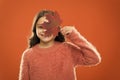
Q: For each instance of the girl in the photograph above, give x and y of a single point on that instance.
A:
(49, 56)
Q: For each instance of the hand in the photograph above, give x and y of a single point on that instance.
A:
(66, 30)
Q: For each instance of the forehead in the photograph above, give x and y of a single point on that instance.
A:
(42, 20)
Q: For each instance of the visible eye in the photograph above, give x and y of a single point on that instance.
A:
(40, 27)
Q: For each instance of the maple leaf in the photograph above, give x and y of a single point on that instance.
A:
(52, 26)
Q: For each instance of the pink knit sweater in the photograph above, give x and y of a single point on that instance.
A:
(59, 61)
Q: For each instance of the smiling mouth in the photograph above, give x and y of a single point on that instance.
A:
(43, 35)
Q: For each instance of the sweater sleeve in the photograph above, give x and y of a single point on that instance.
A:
(24, 67)
(83, 52)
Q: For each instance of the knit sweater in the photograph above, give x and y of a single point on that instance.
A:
(58, 62)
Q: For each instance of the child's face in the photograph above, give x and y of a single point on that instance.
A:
(40, 31)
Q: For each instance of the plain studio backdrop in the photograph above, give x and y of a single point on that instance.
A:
(97, 20)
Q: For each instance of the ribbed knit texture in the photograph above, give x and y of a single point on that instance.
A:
(59, 61)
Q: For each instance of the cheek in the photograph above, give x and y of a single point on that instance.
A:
(38, 32)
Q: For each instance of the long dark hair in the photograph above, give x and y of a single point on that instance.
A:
(34, 39)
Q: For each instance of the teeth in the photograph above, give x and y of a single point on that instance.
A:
(43, 35)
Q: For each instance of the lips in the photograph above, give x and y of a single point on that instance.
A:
(43, 35)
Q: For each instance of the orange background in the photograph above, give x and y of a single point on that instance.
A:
(97, 20)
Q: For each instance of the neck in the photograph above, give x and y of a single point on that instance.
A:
(46, 44)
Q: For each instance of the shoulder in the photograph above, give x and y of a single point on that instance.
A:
(27, 52)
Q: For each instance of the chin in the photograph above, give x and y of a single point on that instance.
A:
(46, 39)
